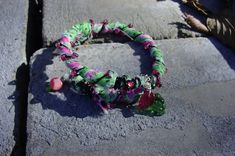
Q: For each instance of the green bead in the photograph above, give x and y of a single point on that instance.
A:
(97, 77)
(132, 32)
(156, 53)
(78, 78)
(158, 66)
(83, 71)
(85, 28)
(156, 109)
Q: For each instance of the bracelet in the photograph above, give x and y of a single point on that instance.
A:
(108, 89)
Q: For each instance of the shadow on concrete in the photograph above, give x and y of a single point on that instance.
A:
(228, 54)
(145, 59)
(19, 98)
(182, 26)
(72, 104)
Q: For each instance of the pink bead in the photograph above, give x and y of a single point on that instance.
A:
(117, 31)
(56, 84)
(65, 39)
(65, 50)
(147, 44)
(90, 74)
(74, 65)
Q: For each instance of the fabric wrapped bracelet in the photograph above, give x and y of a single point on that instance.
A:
(108, 89)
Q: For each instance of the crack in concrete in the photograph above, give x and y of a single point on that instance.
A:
(33, 43)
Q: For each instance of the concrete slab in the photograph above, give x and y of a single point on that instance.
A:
(65, 123)
(160, 19)
(197, 61)
(13, 15)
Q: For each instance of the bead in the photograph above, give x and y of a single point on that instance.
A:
(130, 84)
(73, 73)
(56, 84)
(64, 39)
(74, 65)
(63, 57)
(130, 25)
(117, 31)
(156, 73)
(105, 21)
(74, 55)
(146, 100)
(92, 21)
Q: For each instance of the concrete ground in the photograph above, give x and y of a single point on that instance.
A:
(199, 87)
(13, 24)
(162, 20)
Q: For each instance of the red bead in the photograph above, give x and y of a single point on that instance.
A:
(155, 72)
(130, 84)
(73, 73)
(105, 22)
(92, 21)
(56, 84)
(130, 25)
(72, 44)
(63, 57)
(74, 55)
(146, 99)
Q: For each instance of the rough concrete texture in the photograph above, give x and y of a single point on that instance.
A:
(160, 19)
(199, 90)
(13, 15)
